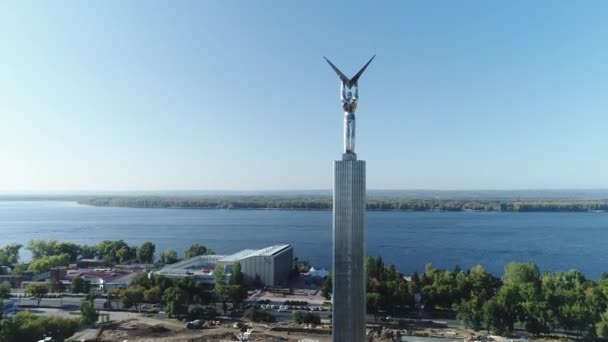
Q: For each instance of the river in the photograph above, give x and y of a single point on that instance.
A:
(555, 241)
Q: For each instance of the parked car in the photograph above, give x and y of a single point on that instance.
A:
(196, 324)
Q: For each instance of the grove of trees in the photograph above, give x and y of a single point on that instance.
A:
(47, 254)
(27, 327)
(196, 250)
(542, 303)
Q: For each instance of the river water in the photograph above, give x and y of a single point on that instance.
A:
(555, 241)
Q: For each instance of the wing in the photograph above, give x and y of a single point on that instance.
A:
(356, 77)
(343, 77)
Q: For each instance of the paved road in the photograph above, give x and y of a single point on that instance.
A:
(73, 303)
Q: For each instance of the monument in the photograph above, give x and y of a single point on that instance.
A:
(349, 221)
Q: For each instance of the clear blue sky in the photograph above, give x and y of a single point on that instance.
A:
(134, 95)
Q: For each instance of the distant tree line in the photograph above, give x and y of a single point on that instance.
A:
(377, 203)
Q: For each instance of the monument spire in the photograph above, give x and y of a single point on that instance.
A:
(349, 221)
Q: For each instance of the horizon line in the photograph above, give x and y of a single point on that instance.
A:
(93, 191)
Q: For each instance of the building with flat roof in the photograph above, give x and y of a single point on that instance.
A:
(271, 264)
(199, 269)
(106, 278)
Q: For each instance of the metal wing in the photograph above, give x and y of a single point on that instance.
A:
(356, 77)
(343, 77)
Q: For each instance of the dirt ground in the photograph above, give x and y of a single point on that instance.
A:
(148, 329)
(141, 329)
(137, 327)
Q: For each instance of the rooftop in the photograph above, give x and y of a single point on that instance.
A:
(267, 251)
(107, 275)
(192, 266)
(203, 265)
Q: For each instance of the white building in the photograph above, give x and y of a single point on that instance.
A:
(272, 264)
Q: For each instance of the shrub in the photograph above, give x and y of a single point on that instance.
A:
(254, 315)
(300, 317)
(206, 313)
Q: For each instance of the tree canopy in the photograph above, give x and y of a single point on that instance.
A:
(145, 252)
(37, 290)
(196, 250)
(169, 256)
(45, 263)
(27, 327)
(9, 254)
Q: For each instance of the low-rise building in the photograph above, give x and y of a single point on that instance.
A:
(272, 265)
(107, 279)
(199, 269)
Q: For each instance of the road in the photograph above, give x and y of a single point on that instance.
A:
(73, 304)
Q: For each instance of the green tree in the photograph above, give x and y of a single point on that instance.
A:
(42, 248)
(115, 251)
(27, 327)
(126, 254)
(311, 318)
(492, 317)
(254, 315)
(298, 317)
(237, 277)
(132, 296)
(113, 296)
(80, 285)
(481, 284)
(19, 269)
(45, 263)
(175, 300)
(169, 256)
(601, 328)
(88, 315)
(221, 290)
(91, 295)
(145, 252)
(327, 287)
(195, 250)
(506, 309)
(190, 289)
(236, 294)
(374, 303)
(162, 282)
(5, 293)
(37, 290)
(153, 295)
(519, 273)
(143, 280)
(5, 290)
(470, 312)
(9, 254)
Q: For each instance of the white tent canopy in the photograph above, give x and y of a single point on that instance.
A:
(318, 273)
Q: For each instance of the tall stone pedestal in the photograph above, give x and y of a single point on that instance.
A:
(349, 250)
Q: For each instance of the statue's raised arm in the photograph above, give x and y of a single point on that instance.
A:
(349, 97)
